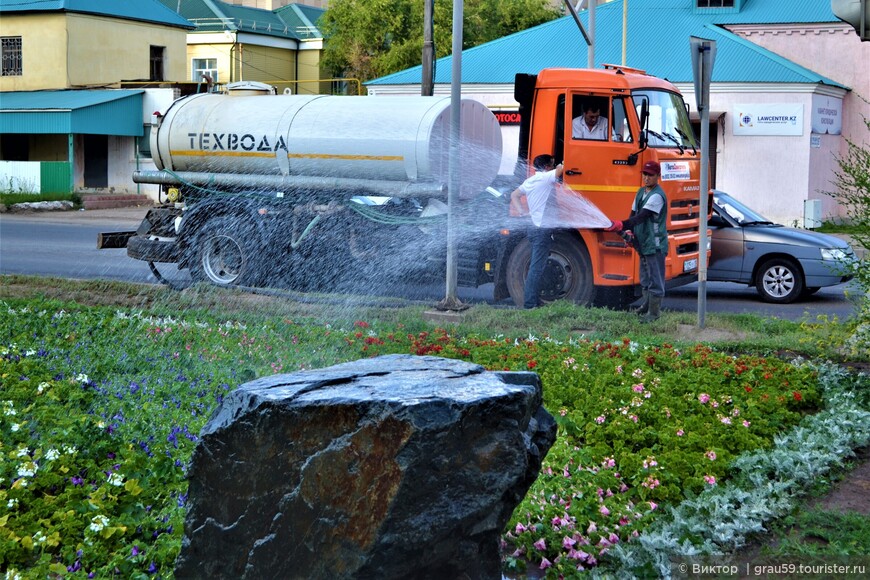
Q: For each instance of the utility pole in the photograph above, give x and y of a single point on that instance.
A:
(703, 55)
(427, 86)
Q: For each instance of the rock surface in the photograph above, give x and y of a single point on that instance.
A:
(392, 467)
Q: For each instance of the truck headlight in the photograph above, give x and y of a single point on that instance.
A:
(833, 254)
(177, 224)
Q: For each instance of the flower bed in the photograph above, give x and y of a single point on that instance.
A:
(100, 412)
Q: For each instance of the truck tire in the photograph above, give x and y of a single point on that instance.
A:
(779, 280)
(567, 275)
(225, 254)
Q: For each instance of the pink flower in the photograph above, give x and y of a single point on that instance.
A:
(638, 388)
(600, 419)
(711, 455)
(578, 555)
(710, 479)
(519, 529)
(633, 418)
(604, 511)
(619, 370)
(652, 506)
(637, 373)
(592, 527)
(563, 412)
(545, 564)
(568, 542)
(746, 423)
(726, 420)
(540, 545)
(703, 397)
(613, 538)
(680, 432)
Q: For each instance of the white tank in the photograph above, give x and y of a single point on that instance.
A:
(365, 138)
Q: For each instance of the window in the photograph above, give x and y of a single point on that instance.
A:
(204, 66)
(11, 49)
(157, 58)
(715, 3)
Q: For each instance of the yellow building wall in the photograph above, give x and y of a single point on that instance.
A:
(107, 50)
(219, 51)
(43, 51)
(309, 70)
(266, 64)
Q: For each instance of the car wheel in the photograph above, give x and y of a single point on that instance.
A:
(225, 251)
(779, 280)
(567, 275)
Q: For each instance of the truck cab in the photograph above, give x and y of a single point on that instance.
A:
(640, 118)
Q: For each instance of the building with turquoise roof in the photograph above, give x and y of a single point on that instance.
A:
(792, 55)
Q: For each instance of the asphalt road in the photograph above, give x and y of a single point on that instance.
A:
(64, 244)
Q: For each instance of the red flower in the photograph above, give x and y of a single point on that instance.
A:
(532, 364)
(797, 396)
(748, 389)
(361, 324)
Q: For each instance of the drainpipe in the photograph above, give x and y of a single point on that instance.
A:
(72, 163)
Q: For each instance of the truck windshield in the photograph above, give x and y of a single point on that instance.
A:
(669, 124)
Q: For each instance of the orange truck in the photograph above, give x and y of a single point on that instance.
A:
(329, 192)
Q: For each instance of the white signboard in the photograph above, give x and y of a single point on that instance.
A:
(769, 119)
(672, 170)
(827, 115)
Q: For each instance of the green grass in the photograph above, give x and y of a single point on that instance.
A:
(837, 227)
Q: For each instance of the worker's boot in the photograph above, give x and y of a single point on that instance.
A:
(643, 307)
(655, 309)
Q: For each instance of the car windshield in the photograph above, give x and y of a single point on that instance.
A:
(668, 124)
(737, 211)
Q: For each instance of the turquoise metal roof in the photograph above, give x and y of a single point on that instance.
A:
(97, 112)
(141, 10)
(657, 41)
(217, 16)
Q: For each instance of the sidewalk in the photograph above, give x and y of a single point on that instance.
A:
(131, 215)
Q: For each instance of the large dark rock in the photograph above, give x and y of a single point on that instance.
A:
(392, 467)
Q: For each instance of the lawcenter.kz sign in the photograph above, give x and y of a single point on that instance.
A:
(769, 119)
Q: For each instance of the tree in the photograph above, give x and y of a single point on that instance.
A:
(852, 180)
(366, 39)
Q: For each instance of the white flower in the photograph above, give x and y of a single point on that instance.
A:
(52, 454)
(9, 408)
(12, 503)
(29, 352)
(43, 386)
(98, 523)
(70, 449)
(22, 452)
(15, 427)
(39, 537)
(27, 469)
(116, 479)
(82, 378)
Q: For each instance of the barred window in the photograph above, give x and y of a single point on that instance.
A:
(715, 3)
(10, 46)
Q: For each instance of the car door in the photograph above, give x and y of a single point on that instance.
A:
(727, 251)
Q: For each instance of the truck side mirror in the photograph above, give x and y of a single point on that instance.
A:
(644, 121)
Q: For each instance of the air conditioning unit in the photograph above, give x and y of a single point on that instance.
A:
(812, 213)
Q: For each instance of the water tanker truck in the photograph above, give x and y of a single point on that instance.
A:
(320, 191)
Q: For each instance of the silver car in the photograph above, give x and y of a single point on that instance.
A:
(783, 264)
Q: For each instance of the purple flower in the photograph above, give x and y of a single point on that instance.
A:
(152, 568)
(541, 545)
(134, 551)
(77, 481)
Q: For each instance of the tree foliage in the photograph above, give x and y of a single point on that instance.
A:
(371, 38)
(852, 181)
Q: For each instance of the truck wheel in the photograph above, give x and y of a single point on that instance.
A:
(567, 275)
(780, 281)
(225, 254)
